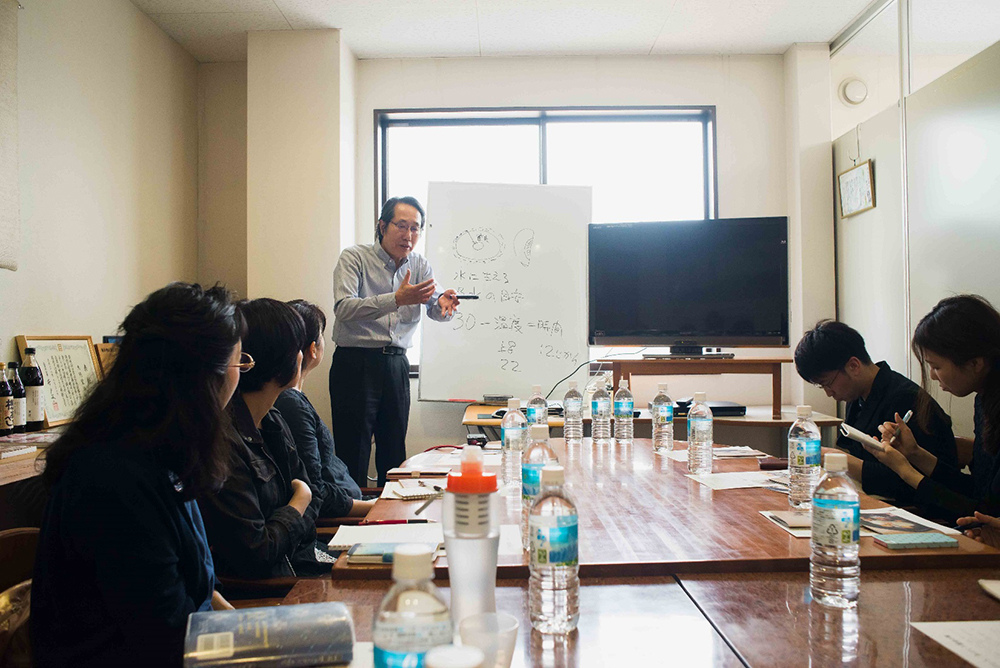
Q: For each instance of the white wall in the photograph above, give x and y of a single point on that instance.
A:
(108, 168)
(748, 92)
(222, 175)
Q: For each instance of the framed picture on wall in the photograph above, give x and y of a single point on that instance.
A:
(857, 190)
(69, 368)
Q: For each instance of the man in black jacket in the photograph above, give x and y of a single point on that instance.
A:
(833, 357)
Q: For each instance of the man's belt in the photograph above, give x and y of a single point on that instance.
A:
(393, 350)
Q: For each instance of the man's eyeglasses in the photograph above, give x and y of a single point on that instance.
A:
(408, 229)
(826, 386)
(246, 363)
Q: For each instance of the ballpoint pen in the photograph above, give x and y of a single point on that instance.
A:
(906, 418)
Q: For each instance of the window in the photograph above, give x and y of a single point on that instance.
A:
(649, 163)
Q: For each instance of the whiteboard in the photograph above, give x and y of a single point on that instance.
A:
(523, 250)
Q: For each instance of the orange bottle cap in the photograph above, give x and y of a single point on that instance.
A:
(472, 479)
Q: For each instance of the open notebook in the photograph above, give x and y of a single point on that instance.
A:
(348, 536)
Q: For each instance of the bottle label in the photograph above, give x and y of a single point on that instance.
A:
(554, 540)
(20, 411)
(404, 645)
(624, 408)
(537, 415)
(513, 437)
(35, 412)
(835, 523)
(600, 407)
(531, 481)
(573, 406)
(699, 429)
(663, 414)
(803, 451)
(6, 413)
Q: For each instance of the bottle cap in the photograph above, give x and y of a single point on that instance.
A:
(662, 387)
(513, 404)
(835, 461)
(572, 384)
(539, 432)
(471, 479)
(553, 474)
(11, 365)
(536, 389)
(29, 351)
(450, 656)
(412, 561)
(623, 383)
(803, 411)
(3, 365)
(699, 397)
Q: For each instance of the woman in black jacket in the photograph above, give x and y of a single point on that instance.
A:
(262, 522)
(958, 345)
(122, 557)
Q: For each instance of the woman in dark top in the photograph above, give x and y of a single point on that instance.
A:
(122, 557)
(329, 478)
(262, 522)
(958, 345)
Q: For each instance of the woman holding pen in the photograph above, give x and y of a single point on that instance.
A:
(958, 345)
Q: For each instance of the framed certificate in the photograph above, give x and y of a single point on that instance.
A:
(70, 369)
(857, 190)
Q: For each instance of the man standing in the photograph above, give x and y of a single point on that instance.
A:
(833, 357)
(378, 292)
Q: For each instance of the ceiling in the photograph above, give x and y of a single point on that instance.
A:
(215, 30)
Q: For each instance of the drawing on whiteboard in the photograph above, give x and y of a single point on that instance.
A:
(480, 244)
(522, 246)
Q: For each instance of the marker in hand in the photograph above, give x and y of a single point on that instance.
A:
(467, 296)
(906, 419)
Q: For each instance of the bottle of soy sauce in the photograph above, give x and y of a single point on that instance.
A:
(6, 403)
(20, 400)
(34, 387)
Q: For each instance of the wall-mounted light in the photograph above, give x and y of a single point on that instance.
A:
(853, 91)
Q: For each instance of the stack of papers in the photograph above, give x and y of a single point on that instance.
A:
(734, 479)
(349, 536)
(873, 522)
(724, 452)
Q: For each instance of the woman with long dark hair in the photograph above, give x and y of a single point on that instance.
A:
(122, 556)
(958, 345)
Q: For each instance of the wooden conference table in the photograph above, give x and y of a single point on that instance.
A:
(675, 573)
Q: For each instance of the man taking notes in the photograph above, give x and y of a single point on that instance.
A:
(378, 292)
(833, 357)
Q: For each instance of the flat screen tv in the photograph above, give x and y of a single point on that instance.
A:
(721, 282)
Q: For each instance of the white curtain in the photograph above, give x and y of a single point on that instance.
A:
(10, 227)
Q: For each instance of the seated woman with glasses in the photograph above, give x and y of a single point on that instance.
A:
(958, 345)
(122, 556)
(262, 522)
(833, 357)
(339, 495)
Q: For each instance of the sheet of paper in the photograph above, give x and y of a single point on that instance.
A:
(449, 458)
(973, 641)
(388, 533)
(734, 479)
(991, 587)
(805, 532)
(510, 540)
(404, 489)
(727, 452)
(907, 515)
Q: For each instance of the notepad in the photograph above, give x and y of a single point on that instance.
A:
(348, 536)
(376, 553)
(861, 437)
(912, 541)
(412, 490)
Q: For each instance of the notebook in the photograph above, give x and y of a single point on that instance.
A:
(375, 553)
(411, 490)
(348, 536)
(911, 541)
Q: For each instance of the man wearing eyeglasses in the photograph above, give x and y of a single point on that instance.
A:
(833, 357)
(379, 291)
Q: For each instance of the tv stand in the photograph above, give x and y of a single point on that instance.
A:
(702, 366)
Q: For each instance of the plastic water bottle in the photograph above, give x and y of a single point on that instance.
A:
(600, 416)
(554, 583)
(471, 537)
(803, 459)
(537, 455)
(513, 438)
(663, 420)
(834, 567)
(413, 618)
(699, 420)
(537, 408)
(573, 415)
(624, 406)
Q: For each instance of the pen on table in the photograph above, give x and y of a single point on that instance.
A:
(906, 418)
(415, 521)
